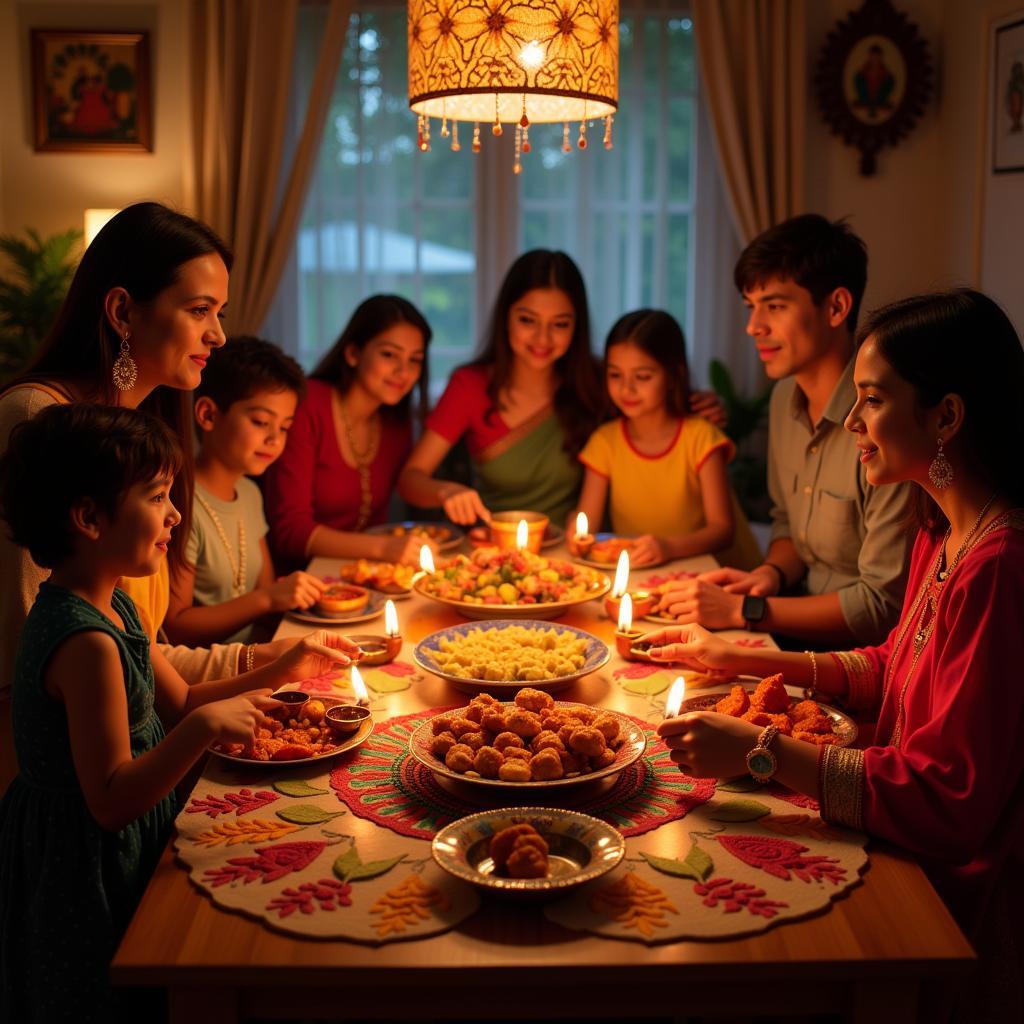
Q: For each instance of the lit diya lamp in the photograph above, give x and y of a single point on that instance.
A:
(348, 718)
(583, 538)
(676, 695)
(379, 650)
(627, 639)
(642, 601)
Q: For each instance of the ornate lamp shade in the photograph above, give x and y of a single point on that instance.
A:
(502, 61)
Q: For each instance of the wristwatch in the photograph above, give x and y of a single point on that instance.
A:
(753, 610)
(761, 762)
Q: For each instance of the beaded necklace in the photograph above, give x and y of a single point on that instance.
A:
(237, 568)
(363, 460)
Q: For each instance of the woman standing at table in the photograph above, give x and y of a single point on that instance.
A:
(351, 435)
(939, 380)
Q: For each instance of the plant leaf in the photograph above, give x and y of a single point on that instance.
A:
(347, 863)
(648, 686)
(740, 810)
(307, 814)
(668, 866)
(374, 868)
(296, 787)
(741, 784)
(381, 682)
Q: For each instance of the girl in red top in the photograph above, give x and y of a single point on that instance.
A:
(351, 435)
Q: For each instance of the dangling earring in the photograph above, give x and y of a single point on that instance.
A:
(126, 373)
(940, 472)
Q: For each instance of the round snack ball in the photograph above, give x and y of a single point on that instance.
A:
(583, 714)
(602, 760)
(463, 725)
(460, 758)
(495, 720)
(572, 763)
(502, 843)
(441, 724)
(587, 740)
(527, 861)
(514, 769)
(546, 739)
(545, 766)
(476, 740)
(608, 726)
(520, 753)
(441, 744)
(524, 723)
(507, 739)
(565, 733)
(488, 761)
(474, 713)
(530, 699)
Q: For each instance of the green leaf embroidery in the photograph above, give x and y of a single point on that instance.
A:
(307, 814)
(701, 862)
(697, 865)
(741, 784)
(739, 810)
(347, 863)
(297, 787)
(383, 683)
(375, 868)
(648, 686)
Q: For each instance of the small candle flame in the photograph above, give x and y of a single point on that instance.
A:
(674, 700)
(426, 559)
(582, 525)
(625, 614)
(621, 575)
(390, 618)
(359, 688)
(522, 534)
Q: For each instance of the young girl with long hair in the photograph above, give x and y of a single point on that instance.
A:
(86, 820)
(939, 380)
(351, 435)
(655, 450)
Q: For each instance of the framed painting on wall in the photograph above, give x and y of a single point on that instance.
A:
(1008, 96)
(91, 91)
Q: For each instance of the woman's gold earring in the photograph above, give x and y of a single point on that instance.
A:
(126, 373)
(940, 472)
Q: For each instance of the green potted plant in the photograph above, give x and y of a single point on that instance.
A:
(749, 470)
(32, 288)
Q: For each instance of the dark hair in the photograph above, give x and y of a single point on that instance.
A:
(818, 254)
(580, 401)
(659, 335)
(141, 249)
(245, 366)
(89, 451)
(372, 317)
(960, 342)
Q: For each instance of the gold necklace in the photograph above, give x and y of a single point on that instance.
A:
(363, 460)
(925, 607)
(237, 568)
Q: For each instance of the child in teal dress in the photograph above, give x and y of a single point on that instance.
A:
(86, 490)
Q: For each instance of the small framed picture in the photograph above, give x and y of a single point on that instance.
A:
(1008, 96)
(91, 91)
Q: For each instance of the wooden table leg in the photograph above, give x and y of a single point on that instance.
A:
(885, 1002)
(202, 1006)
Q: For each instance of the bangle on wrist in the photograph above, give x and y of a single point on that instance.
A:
(250, 657)
(810, 691)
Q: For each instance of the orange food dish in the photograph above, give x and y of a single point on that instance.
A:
(770, 704)
(379, 575)
(343, 598)
(288, 736)
(519, 851)
(608, 551)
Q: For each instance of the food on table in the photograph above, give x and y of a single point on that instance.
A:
(343, 599)
(289, 735)
(770, 704)
(424, 531)
(519, 851)
(607, 551)
(378, 575)
(531, 740)
(510, 652)
(493, 576)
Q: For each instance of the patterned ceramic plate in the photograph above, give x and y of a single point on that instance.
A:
(542, 610)
(633, 745)
(597, 656)
(580, 848)
(446, 536)
(373, 607)
(346, 743)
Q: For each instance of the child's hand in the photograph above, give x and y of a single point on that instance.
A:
(647, 550)
(315, 655)
(464, 506)
(693, 647)
(406, 550)
(299, 590)
(236, 719)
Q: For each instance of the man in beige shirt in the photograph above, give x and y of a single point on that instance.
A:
(838, 545)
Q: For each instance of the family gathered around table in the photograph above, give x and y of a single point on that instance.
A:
(169, 493)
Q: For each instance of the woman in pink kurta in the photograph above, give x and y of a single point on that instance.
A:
(939, 380)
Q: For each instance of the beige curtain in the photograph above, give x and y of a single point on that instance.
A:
(243, 52)
(753, 63)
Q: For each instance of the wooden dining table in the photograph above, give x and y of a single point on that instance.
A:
(869, 955)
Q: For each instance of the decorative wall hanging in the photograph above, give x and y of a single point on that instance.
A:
(873, 79)
(503, 62)
(91, 91)
(1008, 97)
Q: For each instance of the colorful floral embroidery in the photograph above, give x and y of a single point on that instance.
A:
(799, 825)
(242, 802)
(270, 863)
(634, 903)
(406, 904)
(735, 896)
(256, 830)
(779, 857)
(326, 894)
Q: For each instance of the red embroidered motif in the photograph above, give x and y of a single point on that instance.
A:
(735, 896)
(272, 863)
(398, 668)
(242, 802)
(779, 857)
(637, 670)
(319, 684)
(327, 894)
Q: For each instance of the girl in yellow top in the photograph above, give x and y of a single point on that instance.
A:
(661, 471)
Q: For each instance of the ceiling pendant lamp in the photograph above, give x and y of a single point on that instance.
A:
(499, 62)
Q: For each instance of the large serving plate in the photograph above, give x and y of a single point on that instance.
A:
(580, 848)
(633, 745)
(597, 656)
(345, 744)
(546, 610)
(446, 536)
(373, 607)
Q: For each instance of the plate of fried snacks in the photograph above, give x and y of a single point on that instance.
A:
(533, 742)
(389, 578)
(446, 536)
(604, 552)
(770, 704)
(298, 733)
(503, 654)
(493, 583)
(341, 604)
(528, 849)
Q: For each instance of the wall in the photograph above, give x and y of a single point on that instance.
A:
(49, 191)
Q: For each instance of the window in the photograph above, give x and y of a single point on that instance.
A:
(441, 228)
